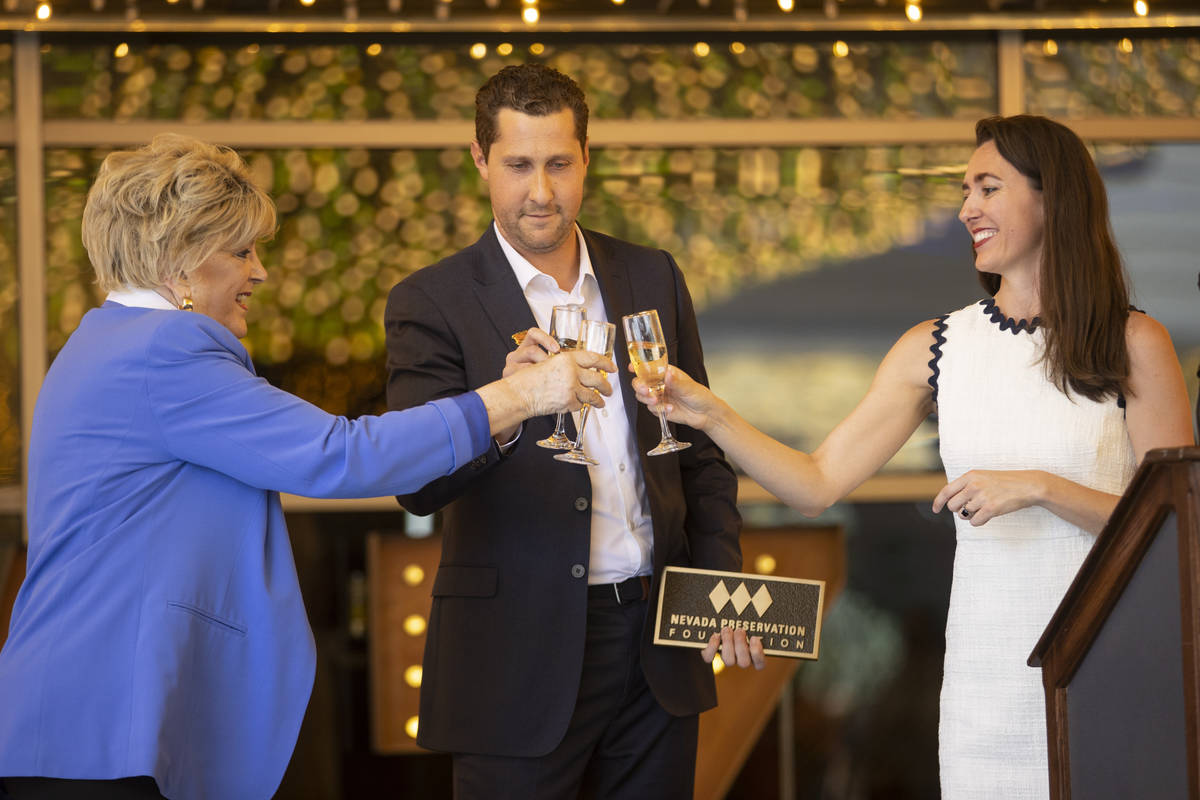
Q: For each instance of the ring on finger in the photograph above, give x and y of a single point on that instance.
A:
(964, 513)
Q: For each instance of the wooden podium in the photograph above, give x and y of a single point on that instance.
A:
(1119, 657)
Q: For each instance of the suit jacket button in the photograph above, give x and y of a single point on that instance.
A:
(578, 570)
(581, 504)
(479, 462)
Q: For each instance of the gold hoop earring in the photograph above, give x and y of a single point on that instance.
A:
(187, 304)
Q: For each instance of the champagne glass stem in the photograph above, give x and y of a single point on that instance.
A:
(583, 418)
(662, 422)
(662, 414)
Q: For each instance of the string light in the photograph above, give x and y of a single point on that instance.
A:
(537, 48)
(786, 5)
(737, 48)
(43, 11)
(530, 15)
(413, 675)
(700, 49)
(410, 727)
(374, 49)
(1141, 8)
(121, 50)
(1050, 47)
(841, 49)
(1125, 45)
(504, 49)
(307, 2)
(618, 2)
(912, 11)
(478, 50)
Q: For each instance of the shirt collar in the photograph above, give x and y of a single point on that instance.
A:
(526, 272)
(139, 298)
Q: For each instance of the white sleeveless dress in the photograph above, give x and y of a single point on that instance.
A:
(998, 411)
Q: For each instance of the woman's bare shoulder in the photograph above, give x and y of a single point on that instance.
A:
(1146, 337)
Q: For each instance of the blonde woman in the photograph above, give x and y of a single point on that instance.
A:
(159, 646)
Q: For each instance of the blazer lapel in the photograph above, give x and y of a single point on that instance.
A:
(497, 290)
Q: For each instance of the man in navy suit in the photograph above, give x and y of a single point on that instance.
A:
(540, 675)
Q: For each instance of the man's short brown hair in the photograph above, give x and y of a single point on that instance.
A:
(533, 89)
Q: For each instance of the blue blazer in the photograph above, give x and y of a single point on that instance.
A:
(160, 629)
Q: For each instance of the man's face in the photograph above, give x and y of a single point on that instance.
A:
(535, 172)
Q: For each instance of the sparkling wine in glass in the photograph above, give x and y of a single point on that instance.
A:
(595, 337)
(648, 354)
(565, 324)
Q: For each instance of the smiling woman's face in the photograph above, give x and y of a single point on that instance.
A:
(1003, 213)
(221, 286)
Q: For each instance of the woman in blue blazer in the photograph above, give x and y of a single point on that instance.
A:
(159, 645)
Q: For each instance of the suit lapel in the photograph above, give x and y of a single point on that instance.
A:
(497, 290)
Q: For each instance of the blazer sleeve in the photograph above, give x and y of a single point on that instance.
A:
(712, 523)
(212, 410)
(426, 362)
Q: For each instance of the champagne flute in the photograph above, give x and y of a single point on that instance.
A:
(595, 337)
(648, 354)
(565, 322)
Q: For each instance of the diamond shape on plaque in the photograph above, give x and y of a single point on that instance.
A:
(719, 596)
(762, 600)
(740, 597)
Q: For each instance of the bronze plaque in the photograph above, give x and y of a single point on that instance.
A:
(693, 604)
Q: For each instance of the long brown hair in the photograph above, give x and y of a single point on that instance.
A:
(1083, 290)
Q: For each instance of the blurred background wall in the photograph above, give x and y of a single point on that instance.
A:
(803, 165)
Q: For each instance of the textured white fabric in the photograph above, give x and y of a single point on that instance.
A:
(997, 410)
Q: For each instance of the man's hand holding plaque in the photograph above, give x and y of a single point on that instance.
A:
(736, 649)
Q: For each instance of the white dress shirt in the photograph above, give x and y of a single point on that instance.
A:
(140, 298)
(622, 534)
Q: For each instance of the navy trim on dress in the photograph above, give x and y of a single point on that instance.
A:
(939, 339)
(1008, 323)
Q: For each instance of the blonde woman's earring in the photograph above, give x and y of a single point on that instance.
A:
(187, 304)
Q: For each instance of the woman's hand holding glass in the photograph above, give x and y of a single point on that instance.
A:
(648, 358)
(680, 398)
(552, 384)
(595, 337)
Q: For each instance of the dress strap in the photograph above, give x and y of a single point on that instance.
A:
(939, 339)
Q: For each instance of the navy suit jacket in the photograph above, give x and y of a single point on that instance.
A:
(504, 647)
(160, 629)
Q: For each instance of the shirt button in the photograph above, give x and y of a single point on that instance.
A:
(621, 467)
(578, 571)
(581, 503)
(603, 412)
